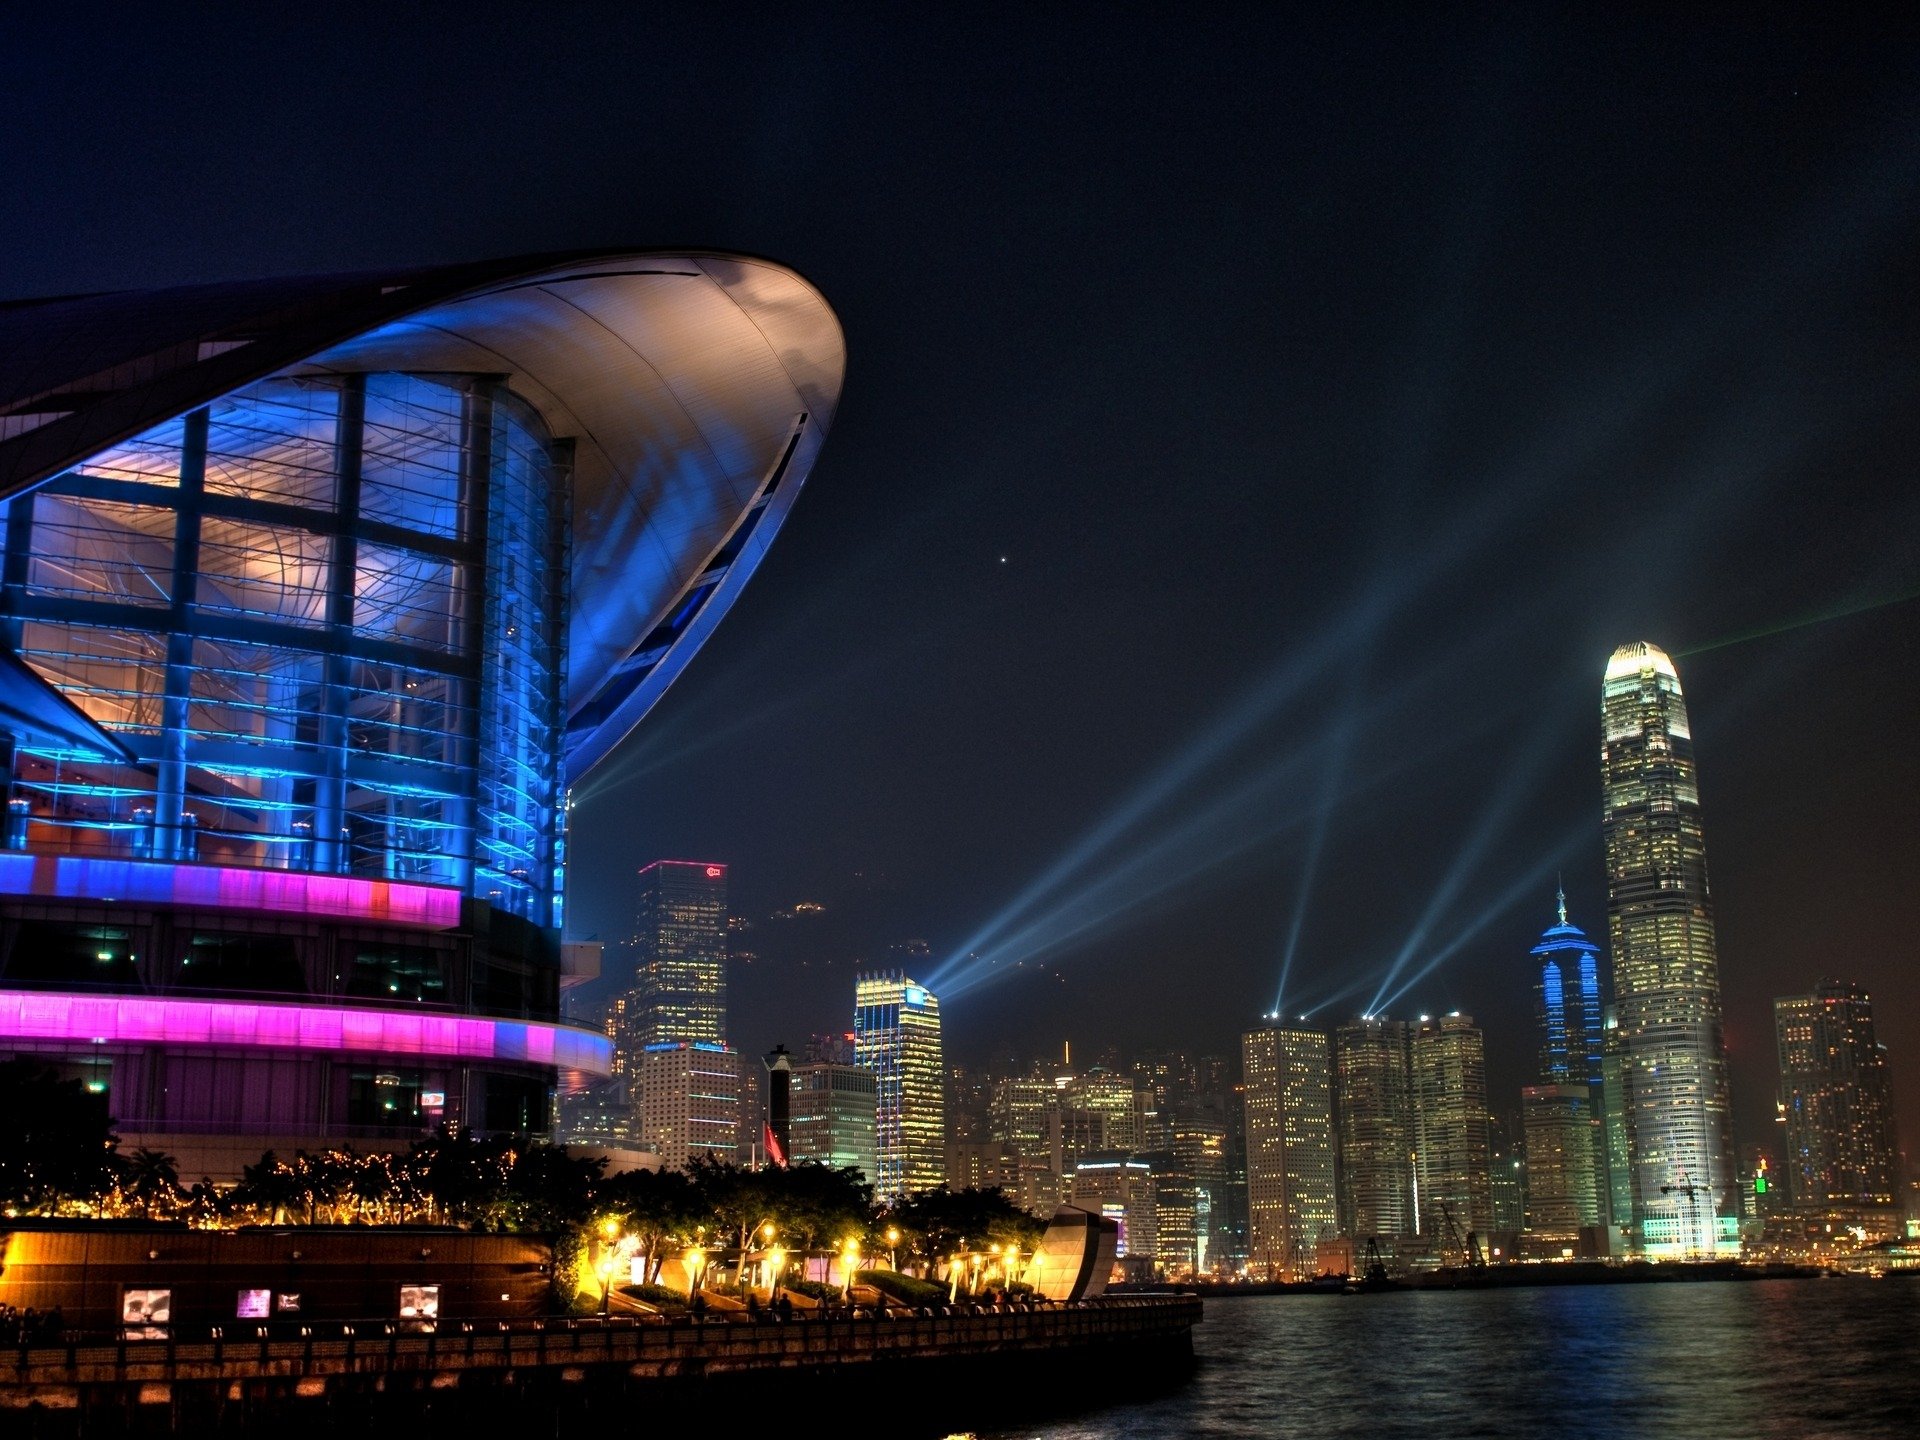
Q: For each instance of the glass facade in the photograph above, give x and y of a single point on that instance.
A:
(896, 1034)
(1834, 1101)
(326, 617)
(1666, 970)
(1373, 1098)
(680, 954)
(1290, 1193)
(1454, 1158)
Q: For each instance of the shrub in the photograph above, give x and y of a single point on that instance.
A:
(658, 1296)
(818, 1289)
(904, 1288)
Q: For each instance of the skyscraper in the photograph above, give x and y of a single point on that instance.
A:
(1563, 1189)
(1566, 1004)
(689, 1101)
(1666, 973)
(676, 1014)
(896, 1034)
(1289, 1102)
(1373, 1114)
(680, 955)
(1834, 1100)
(832, 1115)
(1562, 1113)
(1453, 1165)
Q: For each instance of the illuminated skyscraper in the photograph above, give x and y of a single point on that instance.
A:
(1562, 1113)
(1453, 1163)
(1563, 1191)
(1373, 1113)
(1666, 973)
(896, 1034)
(1200, 1150)
(1840, 1153)
(1289, 1100)
(832, 1115)
(680, 954)
(1025, 1119)
(690, 1105)
(1566, 1004)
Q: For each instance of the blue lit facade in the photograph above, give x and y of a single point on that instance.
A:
(325, 617)
(319, 598)
(1567, 1004)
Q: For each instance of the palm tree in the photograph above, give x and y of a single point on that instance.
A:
(148, 1176)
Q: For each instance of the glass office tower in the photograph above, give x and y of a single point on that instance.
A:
(1834, 1100)
(1289, 1109)
(896, 1035)
(316, 596)
(1454, 1156)
(1374, 1119)
(1666, 971)
(680, 955)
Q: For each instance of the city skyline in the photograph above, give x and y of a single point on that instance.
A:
(1249, 478)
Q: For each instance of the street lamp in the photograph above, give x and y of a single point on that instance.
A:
(776, 1260)
(849, 1257)
(893, 1241)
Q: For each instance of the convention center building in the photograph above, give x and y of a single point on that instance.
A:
(317, 598)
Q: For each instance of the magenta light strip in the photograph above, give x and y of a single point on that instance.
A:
(141, 1020)
(224, 887)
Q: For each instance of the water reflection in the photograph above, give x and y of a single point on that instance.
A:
(1805, 1358)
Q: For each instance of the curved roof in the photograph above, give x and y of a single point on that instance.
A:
(697, 388)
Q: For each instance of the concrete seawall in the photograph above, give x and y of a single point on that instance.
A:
(937, 1369)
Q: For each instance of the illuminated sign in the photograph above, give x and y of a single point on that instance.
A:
(148, 1020)
(145, 1314)
(915, 995)
(433, 1099)
(228, 887)
(714, 872)
(253, 1305)
(419, 1302)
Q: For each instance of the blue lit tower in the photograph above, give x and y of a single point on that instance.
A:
(1562, 1110)
(1666, 969)
(1567, 1004)
(317, 598)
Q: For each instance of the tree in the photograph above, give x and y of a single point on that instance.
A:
(939, 1223)
(56, 1139)
(147, 1176)
(657, 1208)
(269, 1188)
(548, 1189)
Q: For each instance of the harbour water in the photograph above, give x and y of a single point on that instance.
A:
(1808, 1359)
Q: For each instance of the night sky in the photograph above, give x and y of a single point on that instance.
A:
(1256, 437)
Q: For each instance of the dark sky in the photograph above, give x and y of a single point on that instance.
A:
(1248, 422)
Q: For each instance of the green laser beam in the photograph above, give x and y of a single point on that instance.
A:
(1855, 608)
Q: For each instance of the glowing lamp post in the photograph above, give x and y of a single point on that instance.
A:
(849, 1258)
(696, 1262)
(893, 1242)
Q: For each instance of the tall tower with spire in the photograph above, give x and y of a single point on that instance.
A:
(1562, 1111)
(1666, 970)
(1566, 1003)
